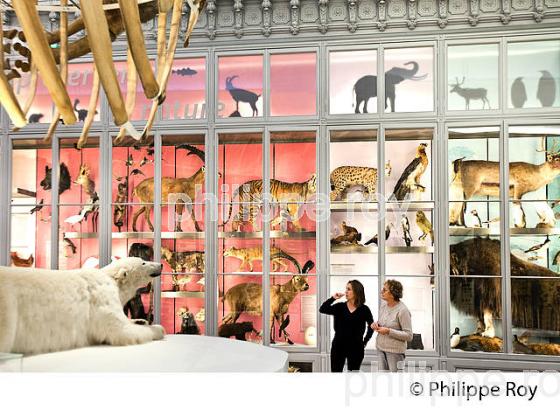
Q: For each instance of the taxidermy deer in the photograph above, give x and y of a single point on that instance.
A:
(470, 93)
(238, 94)
(186, 186)
(481, 178)
(88, 185)
(103, 21)
(247, 297)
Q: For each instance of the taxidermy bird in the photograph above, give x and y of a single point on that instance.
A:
(425, 226)
(200, 315)
(546, 90)
(375, 239)
(455, 338)
(540, 246)
(556, 261)
(405, 224)
(478, 224)
(410, 178)
(518, 93)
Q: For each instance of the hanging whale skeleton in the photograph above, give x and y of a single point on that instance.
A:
(103, 21)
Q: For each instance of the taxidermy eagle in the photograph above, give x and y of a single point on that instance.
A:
(534, 301)
(410, 178)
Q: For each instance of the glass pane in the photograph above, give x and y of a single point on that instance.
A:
(409, 82)
(185, 96)
(536, 325)
(534, 74)
(240, 160)
(294, 305)
(183, 183)
(474, 219)
(356, 71)
(240, 86)
(409, 153)
(535, 190)
(41, 110)
(371, 290)
(133, 165)
(293, 84)
(80, 83)
(472, 74)
(419, 298)
(240, 310)
(143, 105)
(476, 313)
(30, 243)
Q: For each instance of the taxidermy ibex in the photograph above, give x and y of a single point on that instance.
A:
(186, 186)
(478, 177)
(102, 22)
(247, 297)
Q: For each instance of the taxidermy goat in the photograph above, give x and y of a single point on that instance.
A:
(188, 324)
(249, 255)
(64, 180)
(482, 178)
(481, 256)
(350, 236)
(236, 329)
(289, 193)
(247, 297)
(240, 95)
(410, 179)
(345, 177)
(169, 186)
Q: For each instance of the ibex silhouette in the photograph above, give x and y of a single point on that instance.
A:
(238, 94)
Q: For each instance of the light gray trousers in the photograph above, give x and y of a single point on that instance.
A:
(391, 361)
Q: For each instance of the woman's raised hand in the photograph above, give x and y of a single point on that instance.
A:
(338, 295)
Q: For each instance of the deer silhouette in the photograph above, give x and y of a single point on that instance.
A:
(241, 95)
(470, 93)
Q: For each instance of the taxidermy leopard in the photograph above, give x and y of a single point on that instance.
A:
(346, 177)
(249, 255)
(289, 193)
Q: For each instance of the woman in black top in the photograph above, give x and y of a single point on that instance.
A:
(350, 320)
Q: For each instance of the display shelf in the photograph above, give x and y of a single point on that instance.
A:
(340, 206)
(462, 231)
(352, 249)
(181, 294)
(273, 235)
(136, 235)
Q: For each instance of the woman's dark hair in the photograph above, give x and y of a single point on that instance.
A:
(359, 294)
(395, 288)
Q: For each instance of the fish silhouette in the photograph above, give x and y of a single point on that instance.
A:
(185, 72)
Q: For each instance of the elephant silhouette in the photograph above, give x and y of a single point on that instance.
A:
(366, 87)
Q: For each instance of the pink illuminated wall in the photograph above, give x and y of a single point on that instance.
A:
(293, 84)
(249, 72)
(186, 90)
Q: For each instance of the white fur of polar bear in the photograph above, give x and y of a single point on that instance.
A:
(45, 310)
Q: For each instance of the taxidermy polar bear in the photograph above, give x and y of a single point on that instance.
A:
(45, 310)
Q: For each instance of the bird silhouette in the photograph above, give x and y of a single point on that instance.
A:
(546, 90)
(518, 93)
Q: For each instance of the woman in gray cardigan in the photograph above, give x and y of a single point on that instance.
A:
(394, 327)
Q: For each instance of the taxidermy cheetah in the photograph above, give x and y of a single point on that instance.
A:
(346, 177)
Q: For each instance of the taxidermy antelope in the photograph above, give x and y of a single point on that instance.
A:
(481, 178)
(103, 21)
(186, 186)
(247, 297)
(470, 93)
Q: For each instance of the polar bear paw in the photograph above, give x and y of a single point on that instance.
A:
(158, 332)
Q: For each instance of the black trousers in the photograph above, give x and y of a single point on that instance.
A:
(342, 351)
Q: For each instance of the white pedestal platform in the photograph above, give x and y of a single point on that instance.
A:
(176, 353)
